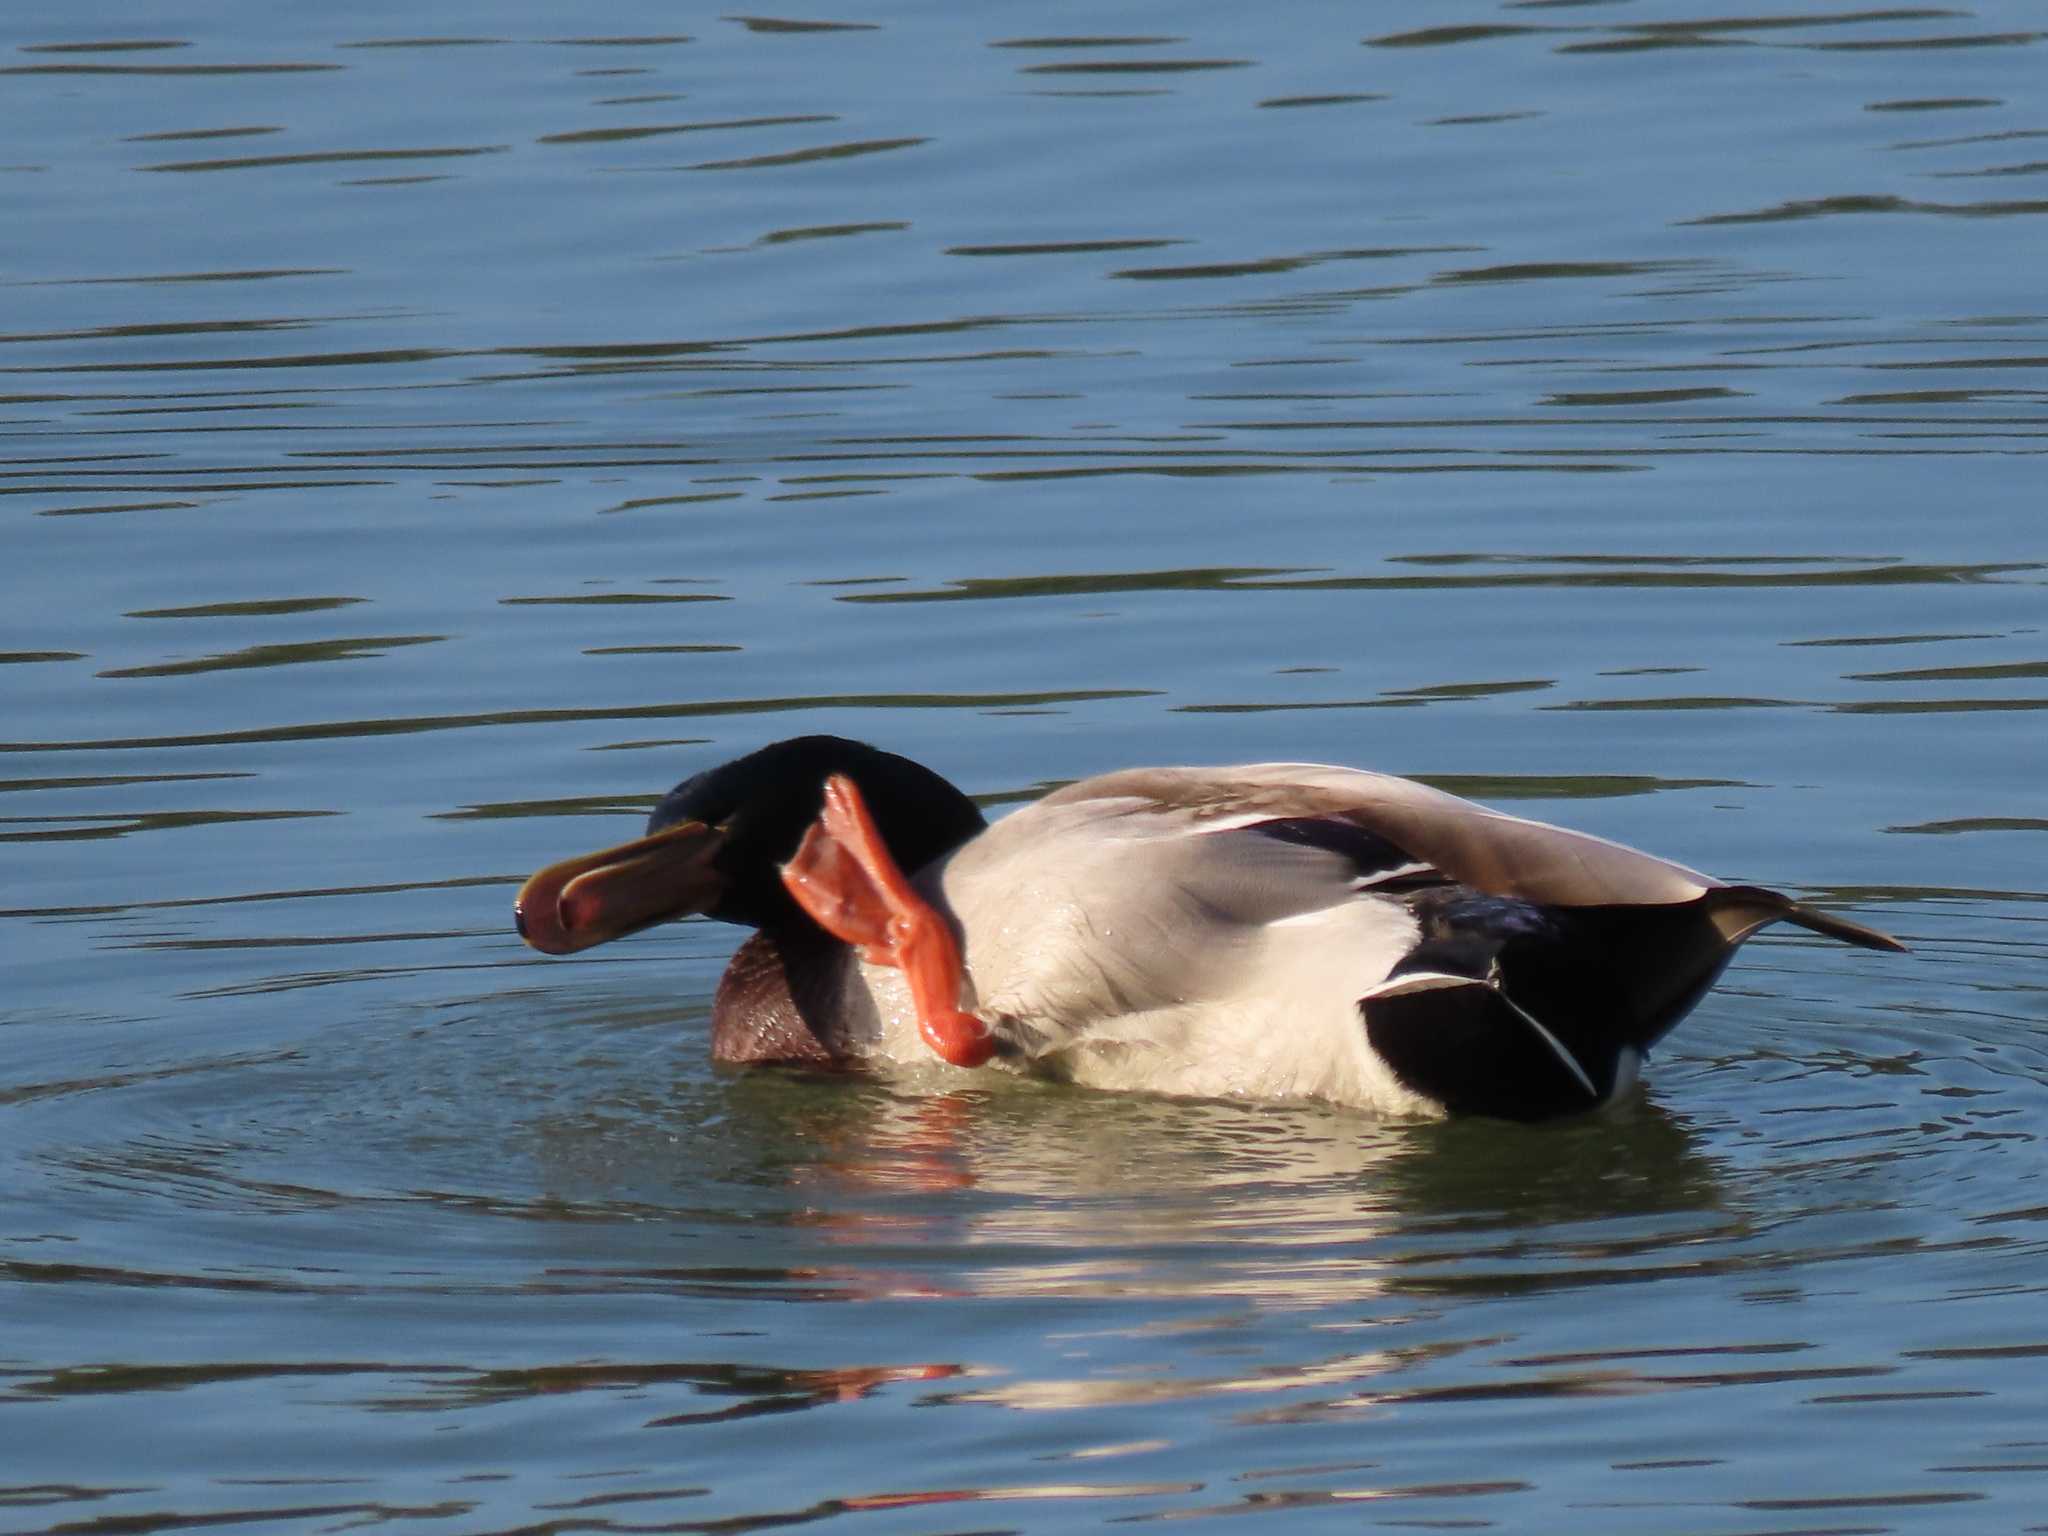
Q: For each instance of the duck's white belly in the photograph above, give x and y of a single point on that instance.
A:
(1288, 1028)
(1265, 1014)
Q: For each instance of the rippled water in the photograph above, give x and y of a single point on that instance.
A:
(423, 438)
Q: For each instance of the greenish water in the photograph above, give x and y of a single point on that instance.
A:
(425, 438)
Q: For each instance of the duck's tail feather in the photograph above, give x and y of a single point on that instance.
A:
(1739, 910)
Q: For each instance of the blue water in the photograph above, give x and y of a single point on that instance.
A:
(424, 438)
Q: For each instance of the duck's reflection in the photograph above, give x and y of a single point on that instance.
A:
(1038, 1190)
(1055, 1142)
(1291, 1259)
(1153, 1207)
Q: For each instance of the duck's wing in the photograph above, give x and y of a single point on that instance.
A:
(1180, 856)
(1466, 843)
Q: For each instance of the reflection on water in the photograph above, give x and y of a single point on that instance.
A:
(420, 446)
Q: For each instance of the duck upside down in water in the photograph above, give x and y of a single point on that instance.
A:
(1277, 930)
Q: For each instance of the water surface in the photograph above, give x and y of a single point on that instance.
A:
(424, 439)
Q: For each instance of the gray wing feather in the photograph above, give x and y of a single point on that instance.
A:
(1499, 854)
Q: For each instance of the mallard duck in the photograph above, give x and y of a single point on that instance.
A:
(1272, 931)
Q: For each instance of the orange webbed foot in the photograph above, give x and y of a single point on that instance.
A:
(846, 879)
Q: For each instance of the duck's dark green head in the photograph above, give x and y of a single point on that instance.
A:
(717, 842)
